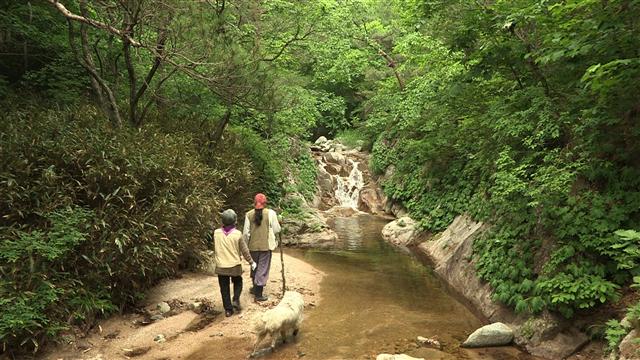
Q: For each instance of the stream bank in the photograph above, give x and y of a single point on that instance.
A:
(449, 254)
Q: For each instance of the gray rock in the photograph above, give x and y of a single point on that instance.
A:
(163, 307)
(159, 338)
(335, 158)
(451, 254)
(490, 335)
(400, 232)
(196, 307)
(157, 317)
(325, 181)
(561, 345)
(396, 357)
(323, 239)
(320, 140)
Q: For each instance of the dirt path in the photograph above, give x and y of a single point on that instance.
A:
(119, 335)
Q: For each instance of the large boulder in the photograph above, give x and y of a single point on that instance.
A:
(451, 254)
(325, 181)
(495, 334)
(370, 201)
(549, 336)
(324, 239)
(400, 232)
(335, 158)
(561, 345)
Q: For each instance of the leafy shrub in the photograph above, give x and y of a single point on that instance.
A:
(353, 138)
(98, 214)
(546, 154)
(614, 333)
(268, 169)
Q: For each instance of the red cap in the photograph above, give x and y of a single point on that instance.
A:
(260, 201)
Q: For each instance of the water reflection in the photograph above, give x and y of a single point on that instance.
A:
(349, 232)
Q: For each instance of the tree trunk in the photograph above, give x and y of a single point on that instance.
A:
(222, 124)
(106, 99)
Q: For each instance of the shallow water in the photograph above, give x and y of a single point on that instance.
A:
(375, 299)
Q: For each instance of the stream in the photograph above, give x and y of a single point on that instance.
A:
(376, 299)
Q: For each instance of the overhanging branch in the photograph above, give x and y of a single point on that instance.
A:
(97, 24)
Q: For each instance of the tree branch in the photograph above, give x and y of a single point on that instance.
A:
(97, 24)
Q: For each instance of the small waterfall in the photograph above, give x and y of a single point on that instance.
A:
(348, 190)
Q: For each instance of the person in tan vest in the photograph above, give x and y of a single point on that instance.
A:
(260, 228)
(228, 246)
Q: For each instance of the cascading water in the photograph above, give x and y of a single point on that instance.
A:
(340, 179)
(348, 190)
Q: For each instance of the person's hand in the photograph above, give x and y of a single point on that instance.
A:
(254, 266)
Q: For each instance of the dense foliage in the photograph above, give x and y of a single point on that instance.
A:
(105, 190)
(523, 114)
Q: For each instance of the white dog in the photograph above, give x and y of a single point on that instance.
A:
(279, 320)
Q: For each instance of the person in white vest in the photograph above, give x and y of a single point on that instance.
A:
(228, 247)
(260, 228)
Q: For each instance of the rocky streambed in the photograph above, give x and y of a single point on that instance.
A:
(449, 254)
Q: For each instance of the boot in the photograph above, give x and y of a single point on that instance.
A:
(258, 293)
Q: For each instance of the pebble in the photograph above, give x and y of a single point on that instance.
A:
(159, 338)
(163, 307)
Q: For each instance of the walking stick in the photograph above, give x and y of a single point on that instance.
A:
(284, 283)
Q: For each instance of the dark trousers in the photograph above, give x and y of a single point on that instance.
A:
(223, 281)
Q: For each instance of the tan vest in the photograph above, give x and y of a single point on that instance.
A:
(259, 239)
(227, 248)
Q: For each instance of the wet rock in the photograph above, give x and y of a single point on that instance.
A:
(341, 211)
(325, 181)
(396, 357)
(430, 343)
(495, 334)
(159, 338)
(163, 307)
(335, 158)
(371, 201)
(451, 254)
(400, 232)
(333, 169)
(322, 239)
